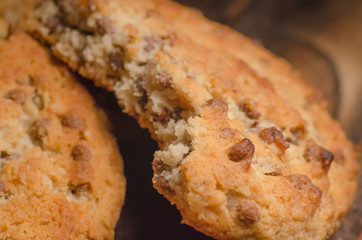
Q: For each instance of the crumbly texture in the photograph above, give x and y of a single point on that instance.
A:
(248, 151)
(14, 10)
(61, 175)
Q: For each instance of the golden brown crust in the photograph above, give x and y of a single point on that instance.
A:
(277, 183)
(50, 187)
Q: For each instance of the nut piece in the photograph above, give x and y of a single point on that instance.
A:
(242, 152)
(273, 135)
(309, 191)
(218, 104)
(248, 106)
(17, 96)
(316, 153)
(248, 211)
(81, 153)
(72, 121)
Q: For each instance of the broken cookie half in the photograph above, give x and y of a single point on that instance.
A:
(245, 151)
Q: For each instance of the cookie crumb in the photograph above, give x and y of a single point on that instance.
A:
(165, 79)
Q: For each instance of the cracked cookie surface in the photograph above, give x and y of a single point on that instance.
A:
(247, 149)
(61, 175)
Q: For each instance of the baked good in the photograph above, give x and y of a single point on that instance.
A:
(61, 175)
(248, 151)
(14, 10)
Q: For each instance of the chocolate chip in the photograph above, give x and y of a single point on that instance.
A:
(242, 152)
(248, 211)
(218, 104)
(115, 60)
(72, 121)
(273, 135)
(104, 26)
(81, 153)
(316, 153)
(17, 96)
(38, 130)
(165, 79)
(153, 42)
(248, 106)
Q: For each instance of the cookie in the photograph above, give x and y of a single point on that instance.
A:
(61, 175)
(248, 150)
(14, 10)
